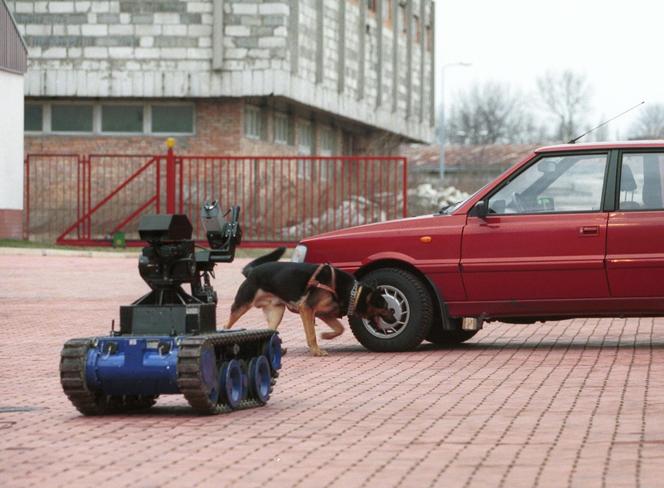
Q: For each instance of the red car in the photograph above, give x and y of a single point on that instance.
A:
(570, 231)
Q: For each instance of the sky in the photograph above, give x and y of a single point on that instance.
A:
(617, 44)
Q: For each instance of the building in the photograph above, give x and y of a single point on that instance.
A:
(228, 76)
(13, 63)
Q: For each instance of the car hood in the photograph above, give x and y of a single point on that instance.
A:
(422, 222)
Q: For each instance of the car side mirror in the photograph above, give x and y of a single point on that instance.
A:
(481, 209)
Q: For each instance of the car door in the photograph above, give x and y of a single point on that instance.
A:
(543, 240)
(635, 240)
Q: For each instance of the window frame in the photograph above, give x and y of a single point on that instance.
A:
(42, 106)
(608, 180)
(258, 112)
(97, 108)
(304, 166)
(95, 115)
(327, 130)
(123, 133)
(614, 203)
(148, 118)
(287, 119)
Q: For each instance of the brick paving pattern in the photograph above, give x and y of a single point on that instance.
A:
(571, 403)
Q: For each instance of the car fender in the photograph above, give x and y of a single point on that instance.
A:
(389, 255)
(438, 303)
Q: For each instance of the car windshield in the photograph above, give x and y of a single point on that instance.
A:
(451, 207)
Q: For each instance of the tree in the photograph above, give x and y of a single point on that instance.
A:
(650, 124)
(566, 96)
(489, 113)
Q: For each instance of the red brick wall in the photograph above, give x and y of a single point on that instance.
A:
(11, 224)
(219, 131)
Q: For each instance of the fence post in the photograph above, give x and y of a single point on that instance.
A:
(26, 196)
(405, 187)
(170, 176)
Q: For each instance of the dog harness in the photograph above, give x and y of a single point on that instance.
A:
(314, 283)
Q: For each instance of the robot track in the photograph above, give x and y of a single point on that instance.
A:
(216, 372)
(87, 401)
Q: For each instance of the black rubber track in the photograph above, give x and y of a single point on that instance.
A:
(72, 379)
(189, 378)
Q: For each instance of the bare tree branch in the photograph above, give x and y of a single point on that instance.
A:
(650, 124)
(490, 113)
(566, 95)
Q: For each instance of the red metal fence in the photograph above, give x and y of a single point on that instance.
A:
(85, 200)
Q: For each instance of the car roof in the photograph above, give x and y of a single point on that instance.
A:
(602, 145)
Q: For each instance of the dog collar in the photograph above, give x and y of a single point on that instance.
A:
(354, 298)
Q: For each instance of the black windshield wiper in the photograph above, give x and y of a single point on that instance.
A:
(443, 209)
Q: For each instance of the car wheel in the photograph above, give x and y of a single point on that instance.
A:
(438, 335)
(413, 311)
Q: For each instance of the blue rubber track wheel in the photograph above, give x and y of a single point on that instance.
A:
(273, 353)
(232, 383)
(260, 379)
(210, 372)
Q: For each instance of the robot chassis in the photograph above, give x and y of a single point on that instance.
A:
(168, 342)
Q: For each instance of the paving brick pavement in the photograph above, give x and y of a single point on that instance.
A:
(573, 403)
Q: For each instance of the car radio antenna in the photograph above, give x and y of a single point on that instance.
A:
(573, 141)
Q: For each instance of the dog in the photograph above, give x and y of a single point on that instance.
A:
(312, 290)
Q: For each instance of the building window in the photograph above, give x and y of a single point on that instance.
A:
(172, 119)
(305, 138)
(328, 147)
(371, 5)
(327, 141)
(33, 119)
(282, 129)
(71, 118)
(348, 143)
(252, 122)
(110, 118)
(122, 118)
(404, 18)
(429, 38)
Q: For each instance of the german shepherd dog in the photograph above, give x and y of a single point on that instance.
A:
(311, 290)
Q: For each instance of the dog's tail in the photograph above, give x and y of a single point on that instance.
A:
(273, 256)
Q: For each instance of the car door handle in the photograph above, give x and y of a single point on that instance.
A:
(589, 230)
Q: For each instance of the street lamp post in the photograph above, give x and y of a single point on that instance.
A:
(441, 117)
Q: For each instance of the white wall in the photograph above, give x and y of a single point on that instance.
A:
(11, 141)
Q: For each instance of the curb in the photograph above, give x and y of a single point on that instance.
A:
(72, 253)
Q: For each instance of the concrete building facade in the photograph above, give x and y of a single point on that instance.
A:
(228, 76)
(13, 63)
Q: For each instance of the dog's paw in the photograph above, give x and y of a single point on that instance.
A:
(329, 335)
(319, 352)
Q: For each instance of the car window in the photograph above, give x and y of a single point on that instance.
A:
(554, 184)
(642, 182)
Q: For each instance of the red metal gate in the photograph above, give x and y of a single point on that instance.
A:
(85, 200)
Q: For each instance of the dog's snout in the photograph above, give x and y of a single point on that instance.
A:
(389, 315)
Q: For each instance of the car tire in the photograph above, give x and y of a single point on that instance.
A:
(444, 337)
(410, 299)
